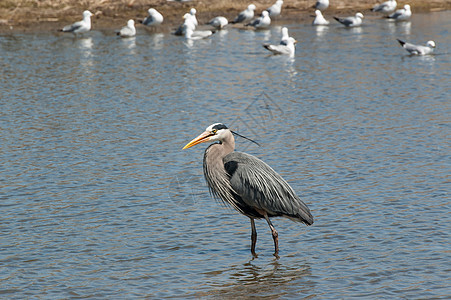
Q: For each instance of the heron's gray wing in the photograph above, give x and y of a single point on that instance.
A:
(262, 188)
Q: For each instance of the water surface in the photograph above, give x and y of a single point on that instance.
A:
(99, 201)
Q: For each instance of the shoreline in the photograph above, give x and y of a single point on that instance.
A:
(51, 15)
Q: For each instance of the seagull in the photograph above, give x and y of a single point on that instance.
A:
(351, 21)
(261, 22)
(218, 22)
(188, 22)
(129, 30)
(275, 9)
(154, 18)
(418, 49)
(287, 49)
(322, 4)
(193, 12)
(285, 36)
(401, 14)
(386, 8)
(319, 19)
(80, 26)
(246, 15)
(192, 34)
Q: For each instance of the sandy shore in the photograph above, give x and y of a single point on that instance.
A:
(45, 15)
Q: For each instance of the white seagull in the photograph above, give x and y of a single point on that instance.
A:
(386, 7)
(287, 49)
(80, 26)
(418, 49)
(192, 34)
(128, 30)
(193, 12)
(275, 9)
(286, 45)
(351, 21)
(319, 19)
(218, 22)
(187, 22)
(401, 14)
(246, 15)
(285, 36)
(154, 18)
(322, 4)
(261, 22)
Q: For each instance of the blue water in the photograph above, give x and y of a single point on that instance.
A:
(99, 201)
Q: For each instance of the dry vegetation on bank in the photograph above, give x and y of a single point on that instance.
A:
(28, 15)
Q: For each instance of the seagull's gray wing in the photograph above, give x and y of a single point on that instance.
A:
(148, 20)
(72, 27)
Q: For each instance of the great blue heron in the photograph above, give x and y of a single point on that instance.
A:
(247, 183)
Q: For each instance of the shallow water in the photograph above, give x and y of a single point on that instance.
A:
(99, 201)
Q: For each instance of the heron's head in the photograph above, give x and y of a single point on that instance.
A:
(213, 133)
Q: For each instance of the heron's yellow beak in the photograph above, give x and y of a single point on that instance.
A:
(204, 137)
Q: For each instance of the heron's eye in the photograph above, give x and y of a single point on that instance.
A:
(214, 131)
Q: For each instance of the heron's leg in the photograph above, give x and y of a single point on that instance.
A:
(275, 236)
(253, 237)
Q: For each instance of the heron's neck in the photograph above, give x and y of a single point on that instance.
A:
(228, 144)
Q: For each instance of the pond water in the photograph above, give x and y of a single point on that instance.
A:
(99, 201)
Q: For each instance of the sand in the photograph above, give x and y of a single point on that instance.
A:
(49, 15)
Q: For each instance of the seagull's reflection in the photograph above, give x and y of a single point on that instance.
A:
(157, 40)
(404, 27)
(290, 67)
(321, 30)
(356, 30)
(85, 43)
(424, 58)
(222, 33)
(129, 42)
(189, 43)
(85, 46)
(265, 33)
